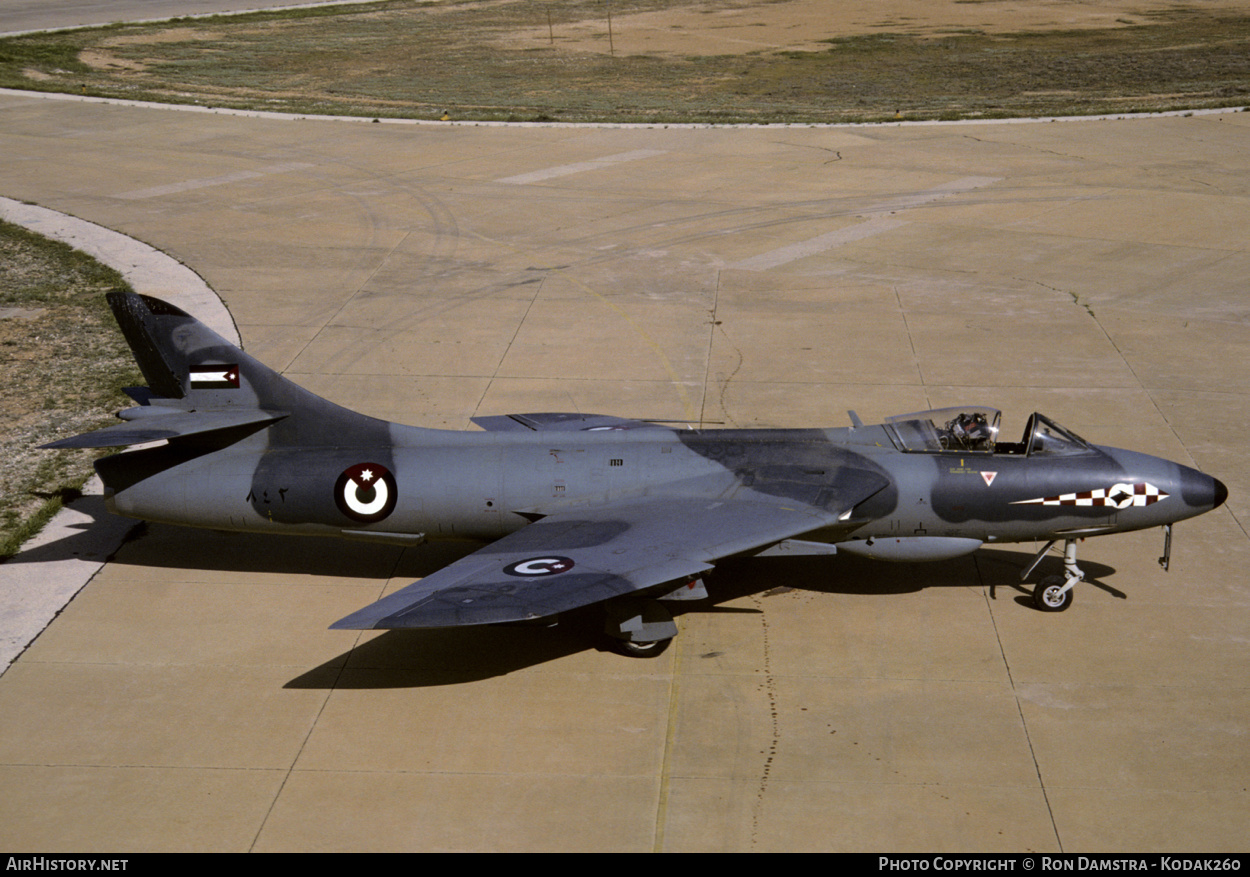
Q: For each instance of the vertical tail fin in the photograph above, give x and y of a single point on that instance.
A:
(132, 313)
(200, 383)
(187, 365)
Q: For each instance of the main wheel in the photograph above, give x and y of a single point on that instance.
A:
(641, 649)
(1049, 595)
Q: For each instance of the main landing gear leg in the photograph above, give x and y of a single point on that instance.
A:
(1054, 593)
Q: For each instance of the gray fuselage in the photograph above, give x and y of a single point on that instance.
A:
(480, 486)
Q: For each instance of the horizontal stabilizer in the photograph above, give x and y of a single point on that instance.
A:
(559, 422)
(168, 426)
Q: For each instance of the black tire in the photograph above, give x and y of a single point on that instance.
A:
(641, 649)
(1049, 596)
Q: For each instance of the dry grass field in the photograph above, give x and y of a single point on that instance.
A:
(63, 363)
(668, 61)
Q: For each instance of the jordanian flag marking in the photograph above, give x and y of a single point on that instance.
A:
(215, 377)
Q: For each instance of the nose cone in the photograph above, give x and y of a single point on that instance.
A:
(1202, 492)
(1182, 492)
(1221, 493)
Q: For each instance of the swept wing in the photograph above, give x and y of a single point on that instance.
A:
(577, 557)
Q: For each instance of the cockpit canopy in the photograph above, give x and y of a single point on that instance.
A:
(973, 429)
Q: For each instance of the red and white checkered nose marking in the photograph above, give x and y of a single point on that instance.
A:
(1118, 496)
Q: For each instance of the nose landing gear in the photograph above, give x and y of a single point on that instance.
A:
(1054, 593)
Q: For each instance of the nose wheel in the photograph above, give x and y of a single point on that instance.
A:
(1054, 593)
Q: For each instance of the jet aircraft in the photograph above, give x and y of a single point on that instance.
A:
(579, 509)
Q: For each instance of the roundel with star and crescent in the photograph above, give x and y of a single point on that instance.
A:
(536, 567)
(366, 492)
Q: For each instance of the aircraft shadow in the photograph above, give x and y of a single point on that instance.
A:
(847, 574)
(138, 543)
(453, 656)
(424, 658)
(420, 658)
(95, 534)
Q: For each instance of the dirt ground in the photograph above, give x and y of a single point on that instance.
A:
(745, 26)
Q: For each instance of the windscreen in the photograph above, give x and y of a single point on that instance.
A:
(1044, 436)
